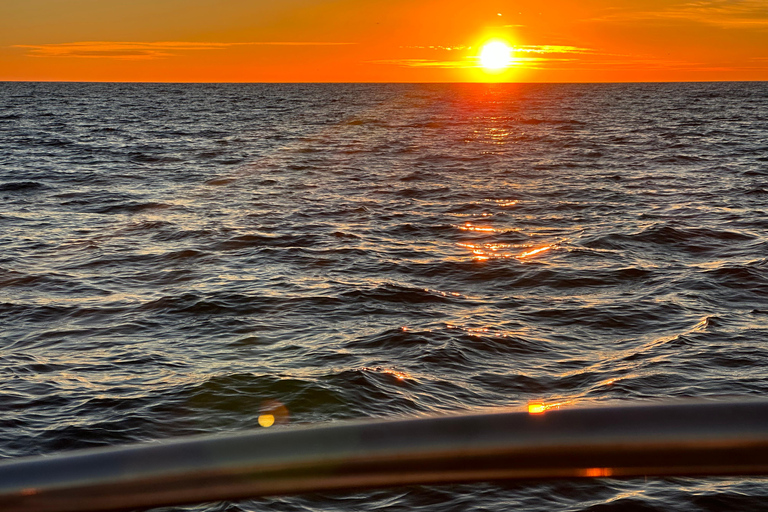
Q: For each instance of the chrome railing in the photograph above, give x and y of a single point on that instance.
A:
(680, 438)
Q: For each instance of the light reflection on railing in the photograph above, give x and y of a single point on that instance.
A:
(273, 412)
(597, 472)
(536, 407)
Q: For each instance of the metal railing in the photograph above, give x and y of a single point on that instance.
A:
(680, 438)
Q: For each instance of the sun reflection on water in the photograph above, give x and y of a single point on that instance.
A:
(468, 226)
(505, 202)
(397, 374)
(486, 251)
(485, 332)
(533, 252)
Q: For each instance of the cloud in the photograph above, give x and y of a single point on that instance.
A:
(142, 50)
(722, 13)
(547, 48)
(438, 47)
(115, 50)
(519, 56)
(426, 63)
(561, 58)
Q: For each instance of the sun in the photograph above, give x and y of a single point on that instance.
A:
(495, 55)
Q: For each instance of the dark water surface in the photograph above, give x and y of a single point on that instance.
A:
(177, 259)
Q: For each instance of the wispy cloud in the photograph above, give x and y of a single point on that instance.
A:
(143, 50)
(426, 63)
(437, 47)
(544, 53)
(562, 58)
(722, 13)
(547, 48)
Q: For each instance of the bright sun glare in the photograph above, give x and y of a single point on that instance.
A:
(495, 56)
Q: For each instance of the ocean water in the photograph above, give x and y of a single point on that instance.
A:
(176, 259)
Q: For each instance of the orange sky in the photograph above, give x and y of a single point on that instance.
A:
(381, 40)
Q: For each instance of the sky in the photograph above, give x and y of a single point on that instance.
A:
(382, 40)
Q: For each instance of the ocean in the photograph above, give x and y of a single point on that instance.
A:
(178, 259)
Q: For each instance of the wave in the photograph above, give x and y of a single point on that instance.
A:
(20, 186)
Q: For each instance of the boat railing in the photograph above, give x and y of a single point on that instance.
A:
(646, 439)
